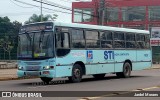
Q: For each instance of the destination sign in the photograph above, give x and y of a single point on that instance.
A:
(36, 27)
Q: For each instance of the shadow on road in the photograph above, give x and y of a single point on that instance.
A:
(84, 80)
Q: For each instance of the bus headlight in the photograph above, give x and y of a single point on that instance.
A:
(46, 67)
(20, 68)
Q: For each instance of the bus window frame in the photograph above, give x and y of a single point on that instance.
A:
(99, 32)
(131, 41)
(119, 40)
(80, 29)
(56, 41)
(95, 30)
(140, 41)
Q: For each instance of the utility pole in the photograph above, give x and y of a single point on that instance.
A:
(41, 11)
(101, 11)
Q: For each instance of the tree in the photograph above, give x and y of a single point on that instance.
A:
(16, 26)
(37, 18)
(5, 24)
(7, 45)
(8, 37)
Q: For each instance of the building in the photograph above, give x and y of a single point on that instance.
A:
(138, 14)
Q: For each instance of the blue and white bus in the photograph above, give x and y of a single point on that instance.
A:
(53, 49)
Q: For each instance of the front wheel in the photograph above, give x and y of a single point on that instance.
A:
(126, 71)
(76, 74)
(46, 79)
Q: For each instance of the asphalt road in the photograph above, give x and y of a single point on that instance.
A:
(146, 80)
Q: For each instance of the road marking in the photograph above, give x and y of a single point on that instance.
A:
(113, 94)
(92, 98)
(155, 87)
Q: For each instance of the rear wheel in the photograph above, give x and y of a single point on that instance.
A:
(46, 79)
(76, 74)
(126, 71)
(99, 76)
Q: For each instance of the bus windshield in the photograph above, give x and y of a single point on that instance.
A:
(35, 45)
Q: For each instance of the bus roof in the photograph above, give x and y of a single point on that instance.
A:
(87, 26)
(100, 27)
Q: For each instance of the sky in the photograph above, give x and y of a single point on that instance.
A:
(21, 12)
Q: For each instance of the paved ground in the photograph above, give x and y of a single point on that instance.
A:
(144, 80)
(10, 74)
(155, 66)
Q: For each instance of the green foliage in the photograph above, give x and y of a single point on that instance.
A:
(8, 37)
(37, 18)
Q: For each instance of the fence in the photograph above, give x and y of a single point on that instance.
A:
(156, 54)
(6, 56)
(8, 46)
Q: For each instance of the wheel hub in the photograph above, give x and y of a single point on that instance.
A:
(77, 73)
(127, 70)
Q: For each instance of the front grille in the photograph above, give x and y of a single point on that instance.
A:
(33, 68)
(32, 63)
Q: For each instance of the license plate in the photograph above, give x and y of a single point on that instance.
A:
(32, 74)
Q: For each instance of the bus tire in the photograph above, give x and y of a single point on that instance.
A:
(99, 76)
(76, 74)
(46, 79)
(126, 71)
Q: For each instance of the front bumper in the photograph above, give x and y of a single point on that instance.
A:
(43, 73)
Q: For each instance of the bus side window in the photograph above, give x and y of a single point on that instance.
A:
(63, 44)
(130, 40)
(119, 41)
(58, 43)
(92, 39)
(140, 41)
(106, 39)
(65, 40)
(78, 39)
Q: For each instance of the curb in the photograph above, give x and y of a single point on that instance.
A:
(8, 78)
(8, 68)
(156, 68)
(152, 68)
(15, 78)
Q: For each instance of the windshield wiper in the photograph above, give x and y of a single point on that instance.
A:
(28, 37)
(41, 38)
